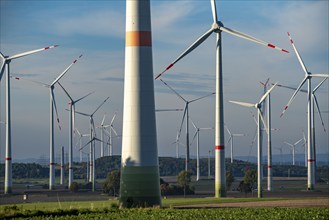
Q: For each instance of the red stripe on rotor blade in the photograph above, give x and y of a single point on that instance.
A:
(52, 164)
(219, 147)
(46, 48)
(17, 78)
(269, 167)
(285, 108)
(291, 41)
(8, 158)
(271, 45)
(74, 61)
(311, 160)
(171, 65)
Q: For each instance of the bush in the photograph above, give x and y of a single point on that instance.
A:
(74, 187)
(112, 183)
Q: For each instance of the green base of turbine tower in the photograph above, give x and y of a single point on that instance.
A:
(140, 187)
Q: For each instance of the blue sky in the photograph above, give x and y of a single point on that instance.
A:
(96, 30)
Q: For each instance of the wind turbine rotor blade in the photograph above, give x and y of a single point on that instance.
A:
(246, 104)
(181, 125)
(266, 94)
(250, 38)
(193, 138)
(169, 110)
(103, 120)
(115, 114)
(239, 135)
(292, 88)
(320, 75)
(318, 86)
(83, 97)
(78, 132)
(116, 134)
(2, 69)
(206, 128)
(33, 81)
(68, 95)
(80, 113)
(263, 121)
(318, 108)
(55, 106)
(203, 97)
(298, 141)
(173, 90)
(193, 124)
(294, 95)
(100, 105)
(65, 71)
(213, 10)
(228, 141)
(289, 144)
(298, 56)
(30, 52)
(228, 130)
(191, 48)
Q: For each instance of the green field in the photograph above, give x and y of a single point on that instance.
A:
(168, 213)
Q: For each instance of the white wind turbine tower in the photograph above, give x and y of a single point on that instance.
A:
(260, 120)
(231, 140)
(269, 136)
(6, 60)
(186, 112)
(53, 106)
(310, 146)
(91, 148)
(293, 149)
(217, 28)
(197, 135)
(71, 129)
(62, 166)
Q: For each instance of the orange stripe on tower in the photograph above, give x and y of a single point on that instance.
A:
(139, 38)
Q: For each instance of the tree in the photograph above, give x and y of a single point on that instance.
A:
(74, 187)
(250, 178)
(229, 179)
(112, 183)
(184, 179)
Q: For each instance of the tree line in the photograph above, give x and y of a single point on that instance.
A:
(168, 166)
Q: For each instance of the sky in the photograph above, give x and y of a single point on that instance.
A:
(96, 29)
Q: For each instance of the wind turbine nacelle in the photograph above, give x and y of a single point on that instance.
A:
(216, 26)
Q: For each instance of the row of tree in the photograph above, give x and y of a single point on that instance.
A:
(168, 166)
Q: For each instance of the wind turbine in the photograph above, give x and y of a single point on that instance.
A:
(316, 104)
(260, 118)
(80, 141)
(186, 112)
(51, 88)
(91, 148)
(6, 60)
(269, 136)
(71, 129)
(110, 142)
(310, 145)
(218, 28)
(280, 149)
(197, 134)
(293, 149)
(231, 140)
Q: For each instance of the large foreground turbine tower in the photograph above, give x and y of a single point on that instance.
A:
(140, 183)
